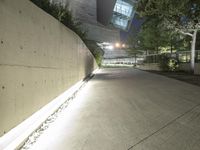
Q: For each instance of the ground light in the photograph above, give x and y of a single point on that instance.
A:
(18, 135)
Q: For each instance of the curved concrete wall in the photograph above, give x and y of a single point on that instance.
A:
(39, 59)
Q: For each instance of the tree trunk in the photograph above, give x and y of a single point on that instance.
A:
(193, 44)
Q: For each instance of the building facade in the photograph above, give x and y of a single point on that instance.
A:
(88, 12)
(103, 20)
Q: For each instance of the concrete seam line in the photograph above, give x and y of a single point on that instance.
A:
(28, 66)
(169, 123)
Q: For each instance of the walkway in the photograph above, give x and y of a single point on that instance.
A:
(121, 109)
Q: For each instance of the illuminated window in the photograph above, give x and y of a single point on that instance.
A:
(123, 14)
(123, 8)
(122, 23)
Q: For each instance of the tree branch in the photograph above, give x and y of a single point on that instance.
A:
(186, 33)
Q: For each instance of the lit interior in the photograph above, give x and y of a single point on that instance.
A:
(123, 8)
(123, 14)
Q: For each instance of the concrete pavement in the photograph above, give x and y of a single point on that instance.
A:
(121, 109)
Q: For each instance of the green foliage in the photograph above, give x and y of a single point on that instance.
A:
(152, 35)
(95, 50)
(164, 21)
(167, 63)
(62, 14)
(173, 64)
(177, 18)
(181, 16)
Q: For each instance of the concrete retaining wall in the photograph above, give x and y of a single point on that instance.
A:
(39, 59)
(186, 67)
(197, 68)
(149, 66)
(182, 67)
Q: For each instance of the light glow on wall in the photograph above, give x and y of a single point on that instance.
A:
(15, 137)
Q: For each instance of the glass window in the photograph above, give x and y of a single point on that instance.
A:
(123, 8)
(122, 23)
(122, 14)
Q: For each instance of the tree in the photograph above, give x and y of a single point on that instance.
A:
(181, 16)
(62, 13)
(152, 36)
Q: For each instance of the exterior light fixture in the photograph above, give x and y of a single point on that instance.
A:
(124, 45)
(117, 45)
